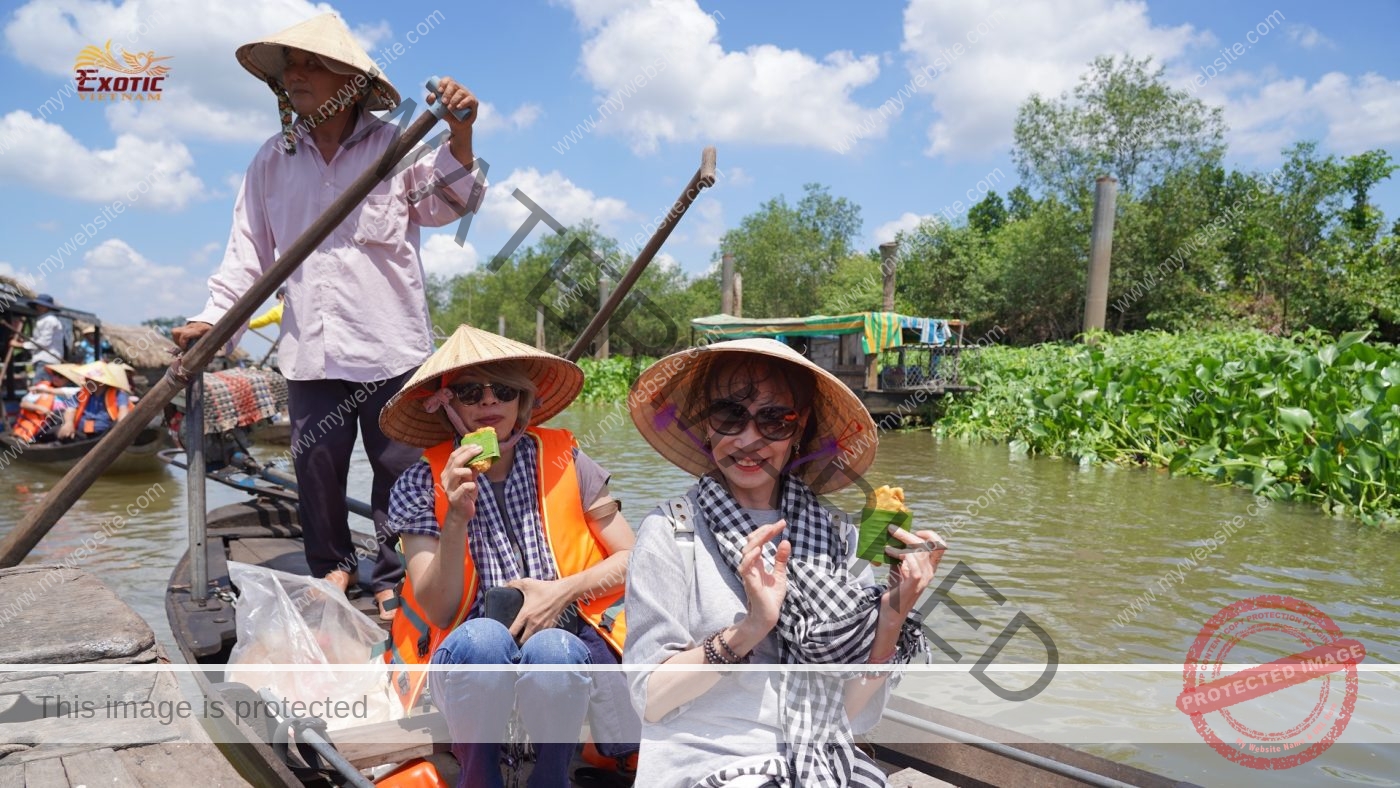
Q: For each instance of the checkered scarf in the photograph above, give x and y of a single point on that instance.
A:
(826, 619)
(491, 547)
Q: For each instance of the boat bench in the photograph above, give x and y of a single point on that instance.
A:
(389, 742)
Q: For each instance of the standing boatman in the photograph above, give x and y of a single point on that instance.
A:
(46, 345)
(356, 323)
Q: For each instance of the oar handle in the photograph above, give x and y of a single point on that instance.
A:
(702, 179)
(438, 108)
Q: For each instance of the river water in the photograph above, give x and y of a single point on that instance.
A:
(1072, 548)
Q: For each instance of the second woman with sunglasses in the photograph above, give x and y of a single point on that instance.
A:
(749, 567)
(518, 565)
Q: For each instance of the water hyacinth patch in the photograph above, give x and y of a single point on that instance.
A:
(608, 380)
(1309, 418)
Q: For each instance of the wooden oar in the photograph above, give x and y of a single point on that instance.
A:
(703, 178)
(70, 488)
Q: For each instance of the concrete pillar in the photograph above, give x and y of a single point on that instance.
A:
(1100, 252)
(726, 284)
(604, 290)
(889, 257)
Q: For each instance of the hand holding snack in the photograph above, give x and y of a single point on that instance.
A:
(486, 439)
(884, 509)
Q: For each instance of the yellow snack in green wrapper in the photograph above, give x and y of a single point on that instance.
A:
(490, 448)
(885, 508)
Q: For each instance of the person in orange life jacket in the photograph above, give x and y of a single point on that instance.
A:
(41, 410)
(103, 400)
(540, 520)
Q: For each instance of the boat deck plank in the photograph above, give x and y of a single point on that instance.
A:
(97, 767)
(47, 772)
(912, 778)
(100, 726)
(173, 765)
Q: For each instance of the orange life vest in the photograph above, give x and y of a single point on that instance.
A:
(117, 406)
(572, 544)
(29, 424)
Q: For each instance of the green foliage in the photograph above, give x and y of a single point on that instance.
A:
(608, 380)
(560, 274)
(1123, 119)
(785, 253)
(1308, 418)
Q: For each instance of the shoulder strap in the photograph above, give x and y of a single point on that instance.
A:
(678, 509)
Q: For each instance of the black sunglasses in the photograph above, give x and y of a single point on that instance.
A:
(471, 393)
(774, 422)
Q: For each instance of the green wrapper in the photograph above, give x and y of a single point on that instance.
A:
(486, 439)
(875, 535)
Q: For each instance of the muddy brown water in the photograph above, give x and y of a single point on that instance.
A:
(1073, 548)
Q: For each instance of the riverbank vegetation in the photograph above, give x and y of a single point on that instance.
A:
(1306, 418)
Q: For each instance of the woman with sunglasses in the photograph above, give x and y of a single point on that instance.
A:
(749, 567)
(541, 521)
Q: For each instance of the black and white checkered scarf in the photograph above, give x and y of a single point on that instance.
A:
(826, 618)
(491, 548)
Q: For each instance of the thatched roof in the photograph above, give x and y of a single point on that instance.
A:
(139, 346)
(14, 283)
(143, 346)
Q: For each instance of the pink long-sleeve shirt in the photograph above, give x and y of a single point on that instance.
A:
(357, 308)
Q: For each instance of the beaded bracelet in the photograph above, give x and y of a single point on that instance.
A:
(729, 652)
(712, 654)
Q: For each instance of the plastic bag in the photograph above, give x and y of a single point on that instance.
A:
(287, 619)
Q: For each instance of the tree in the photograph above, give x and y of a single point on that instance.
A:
(560, 274)
(786, 252)
(1124, 120)
(988, 215)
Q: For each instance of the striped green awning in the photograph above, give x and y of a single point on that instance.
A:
(879, 330)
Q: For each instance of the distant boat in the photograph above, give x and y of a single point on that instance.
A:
(897, 364)
(139, 457)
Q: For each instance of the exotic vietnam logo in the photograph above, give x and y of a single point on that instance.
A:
(136, 77)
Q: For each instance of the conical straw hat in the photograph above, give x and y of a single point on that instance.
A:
(70, 371)
(113, 375)
(325, 35)
(557, 382)
(664, 397)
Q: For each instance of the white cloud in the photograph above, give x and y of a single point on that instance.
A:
(208, 95)
(985, 60)
(492, 119)
(443, 256)
(671, 80)
(560, 197)
(125, 286)
(1308, 37)
(45, 156)
(908, 221)
(737, 176)
(1358, 113)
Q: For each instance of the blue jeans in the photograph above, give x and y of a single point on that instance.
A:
(477, 704)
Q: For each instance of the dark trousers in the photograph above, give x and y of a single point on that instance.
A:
(326, 417)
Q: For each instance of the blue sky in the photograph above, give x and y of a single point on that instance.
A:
(789, 93)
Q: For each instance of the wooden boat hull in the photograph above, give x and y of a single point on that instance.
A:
(266, 532)
(139, 457)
